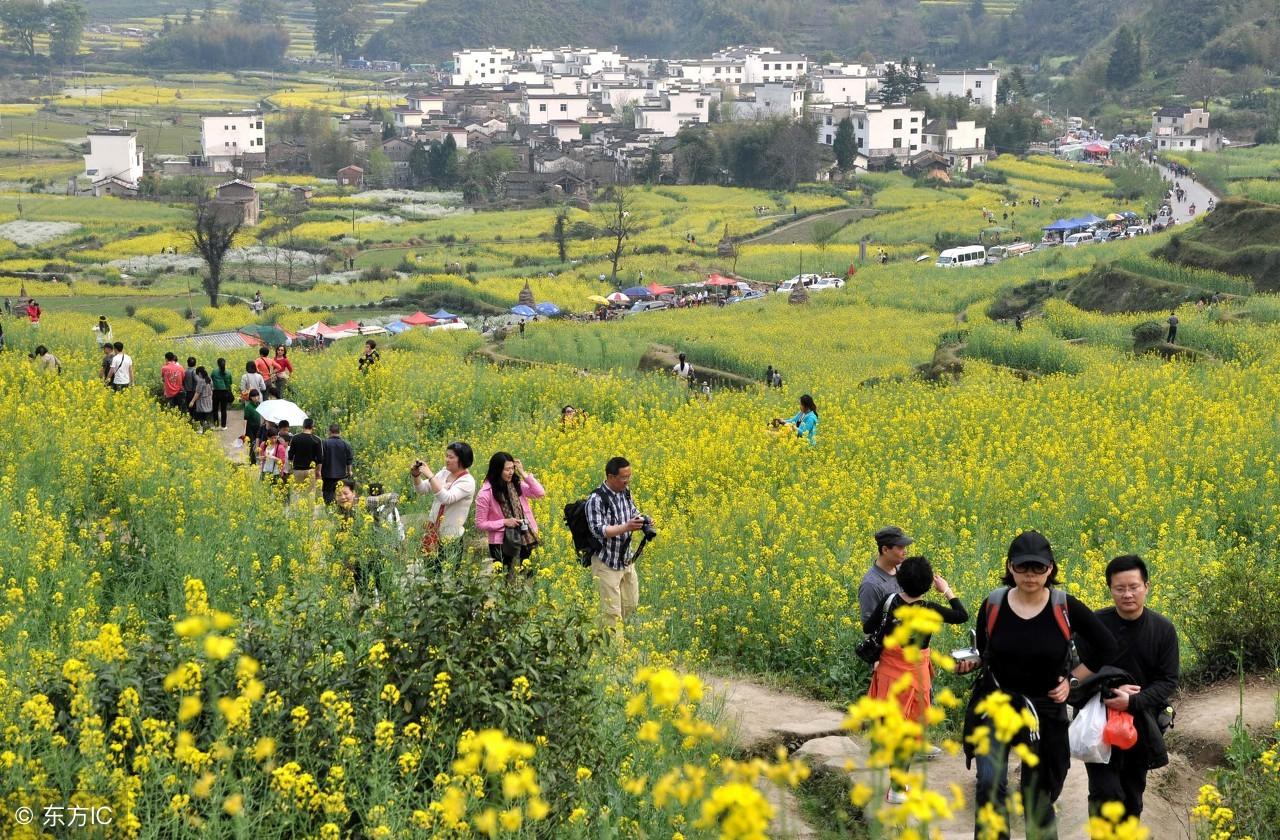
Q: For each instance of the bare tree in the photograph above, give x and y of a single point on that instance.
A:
(211, 236)
(1200, 81)
(620, 224)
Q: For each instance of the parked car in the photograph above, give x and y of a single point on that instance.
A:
(1079, 239)
(751, 295)
(649, 305)
(1135, 230)
(827, 281)
(812, 282)
(996, 253)
(966, 257)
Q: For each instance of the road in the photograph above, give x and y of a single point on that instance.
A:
(1198, 196)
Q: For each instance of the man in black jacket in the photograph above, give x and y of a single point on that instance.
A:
(1149, 651)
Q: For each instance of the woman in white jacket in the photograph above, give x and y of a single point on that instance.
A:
(453, 488)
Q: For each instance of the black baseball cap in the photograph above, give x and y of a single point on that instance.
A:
(1031, 547)
(892, 535)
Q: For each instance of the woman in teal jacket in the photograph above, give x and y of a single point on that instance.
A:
(805, 420)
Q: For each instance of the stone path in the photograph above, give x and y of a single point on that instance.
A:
(760, 719)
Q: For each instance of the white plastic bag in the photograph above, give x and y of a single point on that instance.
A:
(1085, 734)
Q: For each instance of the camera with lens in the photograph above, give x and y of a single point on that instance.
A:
(375, 488)
(650, 533)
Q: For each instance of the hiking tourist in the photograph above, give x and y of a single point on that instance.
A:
(46, 361)
(1173, 327)
(881, 580)
(102, 331)
(284, 369)
(306, 451)
(201, 405)
(108, 355)
(915, 577)
(251, 381)
(267, 369)
(504, 514)
(221, 378)
(252, 422)
(188, 383)
(1025, 633)
(453, 487)
(612, 517)
(804, 421)
(121, 368)
(171, 381)
(1148, 647)
(683, 370)
(370, 356)
(336, 460)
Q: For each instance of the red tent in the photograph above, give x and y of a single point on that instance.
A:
(1097, 149)
(349, 325)
(655, 289)
(720, 280)
(419, 319)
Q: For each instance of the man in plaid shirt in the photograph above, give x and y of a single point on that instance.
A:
(613, 517)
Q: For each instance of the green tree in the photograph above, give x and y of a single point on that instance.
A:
(442, 162)
(66, 26)
(697, 156)
(377, 169)
(651, 172)
(561, 234)
(258, 11)
(890, 85)
(482, 174)
(844, 145)
(1012, 128)
(338, 25)
(419, 169)
(211, 235)
(1125, 65)
(22, 20)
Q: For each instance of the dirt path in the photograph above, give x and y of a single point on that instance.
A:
(801, 230)
(230, 435)
(760, 718)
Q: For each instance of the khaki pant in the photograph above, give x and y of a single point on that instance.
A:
(619, 591)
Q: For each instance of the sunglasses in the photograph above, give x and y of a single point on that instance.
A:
(1030, 568)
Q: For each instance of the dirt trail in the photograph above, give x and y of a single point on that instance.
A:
(801, 230)
(761, 718)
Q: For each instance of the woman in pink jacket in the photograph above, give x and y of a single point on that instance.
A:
(503, 512)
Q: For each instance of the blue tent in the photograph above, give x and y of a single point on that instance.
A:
(523, 311)
(441, 315)
(1091, 219)
(1061, 224)
(397, 327)
(637, 293)
(548, 309)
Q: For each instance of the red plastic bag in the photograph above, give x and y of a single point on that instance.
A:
(1119, 731)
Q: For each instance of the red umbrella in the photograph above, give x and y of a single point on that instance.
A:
(720, 280)
(656, 289)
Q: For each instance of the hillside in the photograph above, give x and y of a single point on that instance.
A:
(1237, 238)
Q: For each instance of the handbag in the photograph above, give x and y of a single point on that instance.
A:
(431, 534)
(871, 648)
(512, 541)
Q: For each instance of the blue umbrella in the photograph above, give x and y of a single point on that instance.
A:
(397, 327)
(523, 311)
(441, 315)
(637, 292)
(548, 309)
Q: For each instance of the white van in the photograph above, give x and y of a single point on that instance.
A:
(1003, 252)
(809, 281)
(1086, 238)
(966, 257)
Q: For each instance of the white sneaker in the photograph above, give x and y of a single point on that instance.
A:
(933, 752)
(896, 797)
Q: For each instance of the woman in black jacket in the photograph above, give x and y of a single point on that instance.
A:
(1025, 635)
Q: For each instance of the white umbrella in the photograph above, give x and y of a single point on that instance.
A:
(619, 297)
(273, 411)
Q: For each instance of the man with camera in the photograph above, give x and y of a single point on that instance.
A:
(613, 518)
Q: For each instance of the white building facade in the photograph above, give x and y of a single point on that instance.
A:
(226, 138)
(884, 130)
(482, 66)
(114, 153)
(977, 86)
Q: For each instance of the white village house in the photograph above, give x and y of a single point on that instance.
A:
(114, 153)
(229, 139)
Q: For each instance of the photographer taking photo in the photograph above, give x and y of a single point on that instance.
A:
(612, 517)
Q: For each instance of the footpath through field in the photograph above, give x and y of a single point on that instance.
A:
(801, 230)
(1198, 195)
(759, 719)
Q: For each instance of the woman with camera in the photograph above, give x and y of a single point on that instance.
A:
(503, 511)
(453, 488)
(804, 421)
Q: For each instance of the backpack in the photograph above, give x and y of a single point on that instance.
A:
(585, 543)
(1057, 602)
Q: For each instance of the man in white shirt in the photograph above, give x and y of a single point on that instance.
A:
(121, 371)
